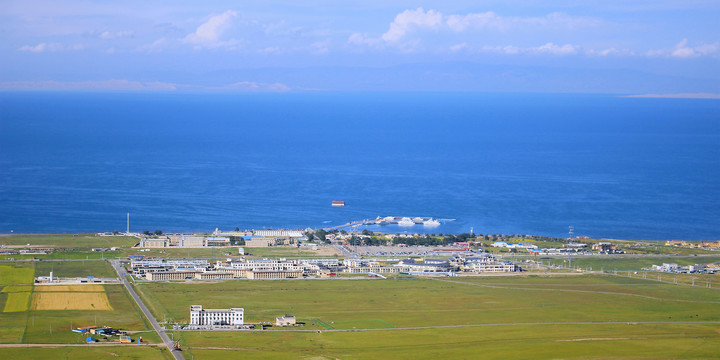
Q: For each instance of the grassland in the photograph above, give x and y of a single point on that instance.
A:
(347, 304)
(17, 301)
(86, 352)
(16, 274)
(628, 262)
(67, 246)
(642, 341)
(501, 317)
(94, 268)
(79, 241)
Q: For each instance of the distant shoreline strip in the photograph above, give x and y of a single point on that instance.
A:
(678, 96)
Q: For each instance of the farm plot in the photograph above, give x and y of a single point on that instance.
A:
(17, 302)
(12, 275)
(70, 301)
(70, 288)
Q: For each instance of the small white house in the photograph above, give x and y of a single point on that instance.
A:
(287, 320)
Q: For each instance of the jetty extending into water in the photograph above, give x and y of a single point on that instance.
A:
(394, 220)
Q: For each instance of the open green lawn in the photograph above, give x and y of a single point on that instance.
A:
(87, 352)
(495, 342)
(288, 252)
(11, 274)
(17, 302)
(448, 301)
(75, 268)
(628, 262)
(220, 253)
(69, 240)
(519, 317)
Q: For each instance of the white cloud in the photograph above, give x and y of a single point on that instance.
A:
(255, 86)
(409, 20)
(107, 35)
(461, 23)
(362, 39)
(320, 47)
(270, 50)
(548, 48)
(681, 50)
(458, 47)
(209, 33)
(155, 47)
(509, 49)
(42, 47)
(551, 48)
(34, 48)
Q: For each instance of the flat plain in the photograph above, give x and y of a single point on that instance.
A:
(588, 316)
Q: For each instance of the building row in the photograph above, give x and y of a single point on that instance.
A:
(289, 269)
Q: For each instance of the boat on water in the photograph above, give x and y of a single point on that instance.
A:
(406, 222)
(431, 223)
(338, 203)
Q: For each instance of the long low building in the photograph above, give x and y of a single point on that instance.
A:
(504, 266)
(171, 275)
(274, 274)
(214, 275)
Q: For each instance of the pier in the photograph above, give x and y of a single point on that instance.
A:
(392, 220)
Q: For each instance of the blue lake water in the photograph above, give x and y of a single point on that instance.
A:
(610, 166)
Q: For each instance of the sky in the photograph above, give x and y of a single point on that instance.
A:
(624, 47)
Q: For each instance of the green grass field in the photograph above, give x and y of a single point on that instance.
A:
(17, 301)
(87, 352)
(496, 342)
(17, 274)
(503, 317)
(629, 262)
(82, 241)
(75, 268)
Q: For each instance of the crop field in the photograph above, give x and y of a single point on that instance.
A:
(17, 301)
(53, 326)
(498, 317)
(16, 274)
(70, 288)
(70, 301)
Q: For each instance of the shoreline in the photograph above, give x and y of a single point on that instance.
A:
(86, 233)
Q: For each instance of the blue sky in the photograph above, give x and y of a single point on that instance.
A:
(517, 46)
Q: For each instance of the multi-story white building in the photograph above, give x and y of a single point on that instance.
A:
(200, 316)
(265, 264)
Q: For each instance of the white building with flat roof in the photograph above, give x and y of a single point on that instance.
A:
(200, 316)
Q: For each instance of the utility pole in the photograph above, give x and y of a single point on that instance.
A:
(127, 231)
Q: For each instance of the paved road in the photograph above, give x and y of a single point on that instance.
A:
(159, 330)
(113, 344)
(483, 325)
